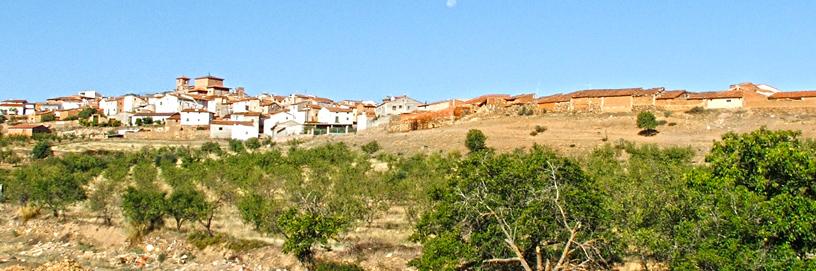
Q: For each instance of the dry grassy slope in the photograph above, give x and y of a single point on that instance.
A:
(585, 131)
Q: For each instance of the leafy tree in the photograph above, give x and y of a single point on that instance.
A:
(139, 122)
(257, 210)
(186, 204)
(144, 208)
(371, 147)
(148, 121)
(648, 122)
(103, 199)
(236, 145)
(523, 210)
(644, 191)
(2, 119)
(475, 140)
(53, 186)
(252, 143)
(304, 229)
(86, 112)
(41, 150)
(753, 208)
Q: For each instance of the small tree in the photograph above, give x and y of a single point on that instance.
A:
(148, 120)
(143, 208)
(475, 140)
(56, 189)
(103, 199)
(41, 150)
(648, 122)
(86, 112)
(304, 229)
(252, 143)
(139, 122)
(2, 119)
(371, 147)
(184, 205)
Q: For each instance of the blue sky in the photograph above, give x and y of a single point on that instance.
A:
(429, 49)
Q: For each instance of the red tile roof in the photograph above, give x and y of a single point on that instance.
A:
(483, 98)
(252, 114)
(190, 110)
(557, 98)
(337, 109)
(597, 93)
(715, 95)
(793, 94)
(671, 94)
(26, 126)
(232, 122)
(209, 77)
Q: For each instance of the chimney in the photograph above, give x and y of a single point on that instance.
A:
(240, 91)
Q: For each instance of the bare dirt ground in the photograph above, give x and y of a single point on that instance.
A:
(81, 243)
(577, 134)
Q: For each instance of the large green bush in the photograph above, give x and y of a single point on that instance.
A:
(752, 208)
(475, 140)
(508, 206)
(41, 150)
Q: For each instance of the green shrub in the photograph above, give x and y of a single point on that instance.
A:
(333, 266)
(252, 143)
(696, 110)
(475, 140)
(41, 150)
(540, 129)
(48, 118)
(371, 147)
(236, 145)
(211, 147)
(533, 133)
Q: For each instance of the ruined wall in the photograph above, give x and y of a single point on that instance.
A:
(678, 104)
(591, 105)
(426, 120)
(617, 104)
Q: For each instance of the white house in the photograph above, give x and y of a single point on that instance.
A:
(195, 117)
(229, 129)
(397, 105)
(246, 105)
(284, 129)
(291, 116)
(132, 103)
(172, 103)
(12, 107)
(335, 116)
(110, 106)
(720, 100)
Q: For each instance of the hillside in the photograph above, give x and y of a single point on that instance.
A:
(574, 134)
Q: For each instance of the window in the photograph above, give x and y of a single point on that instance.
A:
(400, 106)
(394, 108)
(220, 128)
(727, 101)
(336, 119)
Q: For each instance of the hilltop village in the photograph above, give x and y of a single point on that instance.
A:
(205, 108)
